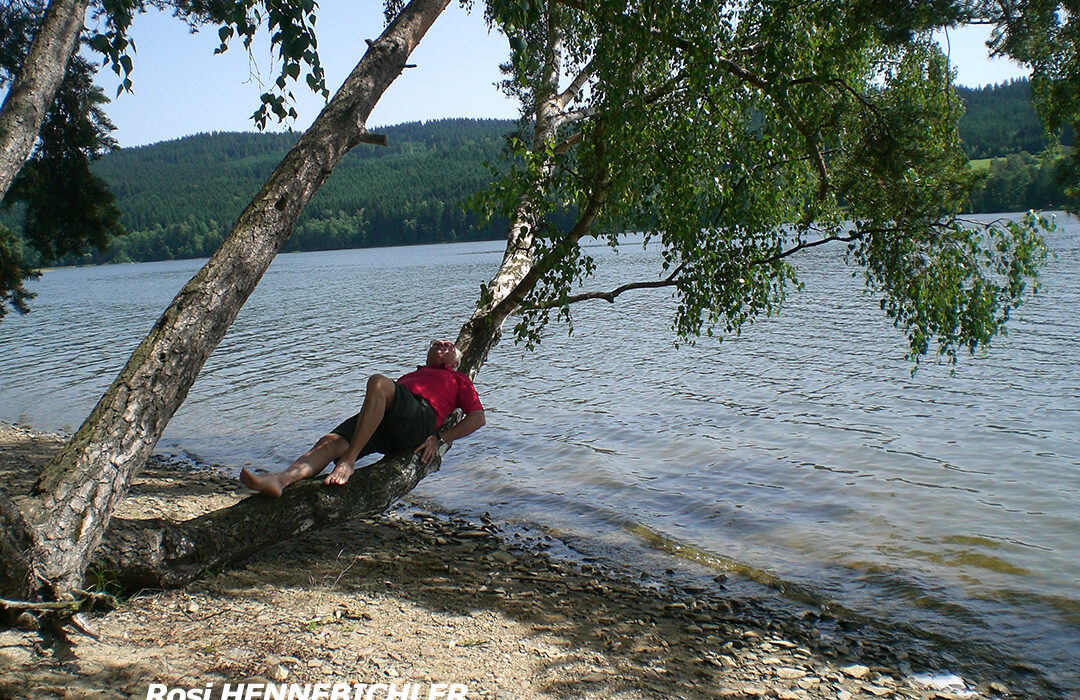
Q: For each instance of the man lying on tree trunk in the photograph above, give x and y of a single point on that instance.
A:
(395, 416)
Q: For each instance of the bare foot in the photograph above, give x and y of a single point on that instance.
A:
(340, 475)
(267, 485)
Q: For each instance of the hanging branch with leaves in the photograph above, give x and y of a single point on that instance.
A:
(732, 134)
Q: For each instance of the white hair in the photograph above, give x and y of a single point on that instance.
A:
(457, 352)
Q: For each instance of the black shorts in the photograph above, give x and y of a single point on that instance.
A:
(408, 423)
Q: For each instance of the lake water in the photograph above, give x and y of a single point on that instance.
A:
(803, 450)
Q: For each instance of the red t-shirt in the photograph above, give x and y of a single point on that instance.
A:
(445, 389)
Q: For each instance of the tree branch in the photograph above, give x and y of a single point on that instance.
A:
(161, 553)
(592, 209)
(574, 4)
(861, 99)
(609, 297)
(81, 600)
(577, 115)
(575, 86)
(568, 143)
(673, 279)
(803, 245)
(591, 112)
(811, 143)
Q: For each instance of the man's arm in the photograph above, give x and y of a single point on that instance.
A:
(473, 421)
(466, 426)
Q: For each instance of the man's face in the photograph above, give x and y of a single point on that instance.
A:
(440, 353)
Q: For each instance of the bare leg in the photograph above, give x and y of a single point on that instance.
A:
(327, 449)
(378, 399)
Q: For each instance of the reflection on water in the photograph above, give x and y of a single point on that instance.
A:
(803, 449)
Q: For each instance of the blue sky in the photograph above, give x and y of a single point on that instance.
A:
(181, 88)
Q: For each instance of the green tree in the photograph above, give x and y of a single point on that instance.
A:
(1044, 35)
(66, 208)
(37, 47)
(735, 136)
(1021, 182)
(999, 120)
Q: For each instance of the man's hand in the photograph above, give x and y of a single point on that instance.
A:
(468, 425)
(428, 448)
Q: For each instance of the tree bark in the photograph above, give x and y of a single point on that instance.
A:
(80, 487)
(159, 554)
(34, 89)
(482, 332)
(15, 540)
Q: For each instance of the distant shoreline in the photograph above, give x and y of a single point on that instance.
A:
(989, 215)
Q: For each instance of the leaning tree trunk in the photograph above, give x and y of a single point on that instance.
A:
(158, 553)
(519, 272)
(34, 89)
(79, 489)
(483, 330)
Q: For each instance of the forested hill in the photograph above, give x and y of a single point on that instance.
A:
(999, 120)
(180, 198)
(1003, 136)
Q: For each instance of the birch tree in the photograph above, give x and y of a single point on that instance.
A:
(32, 92)
(734, 136)
(47, 539)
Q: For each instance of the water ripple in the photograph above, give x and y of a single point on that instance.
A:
(803, 447)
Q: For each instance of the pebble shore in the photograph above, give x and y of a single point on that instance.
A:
(422, 597)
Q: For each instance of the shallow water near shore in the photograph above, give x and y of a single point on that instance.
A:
(802, 453)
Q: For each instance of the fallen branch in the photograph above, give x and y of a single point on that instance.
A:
(82, 600)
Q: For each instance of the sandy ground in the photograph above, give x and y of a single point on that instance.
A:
(419, 597)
